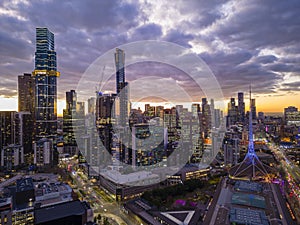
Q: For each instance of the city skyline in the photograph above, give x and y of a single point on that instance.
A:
(225, 37)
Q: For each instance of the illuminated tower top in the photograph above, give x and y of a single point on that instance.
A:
(45, 55)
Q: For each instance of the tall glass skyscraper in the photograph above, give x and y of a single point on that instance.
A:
(45, 74)
(122, 87)
(120, 70)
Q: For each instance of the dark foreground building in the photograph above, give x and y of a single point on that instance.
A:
(67, 213)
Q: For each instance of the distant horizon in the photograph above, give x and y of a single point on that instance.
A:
(61, 105)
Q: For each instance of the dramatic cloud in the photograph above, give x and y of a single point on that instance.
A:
(242, 42)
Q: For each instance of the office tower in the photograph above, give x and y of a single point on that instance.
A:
(91, 105)
(212, 110)
(69, 123)
(105, 118)
(147, 145)
(12, 156)
(25, 127)
(159, 111)
(7, 128)
(261, 116)
(241, 108)
(149, 111)
(7, 136)
(45, 74)
(43, 152)
(288, 112)
(122, 87)
(195, 110)
(231, 150)
(232, 115)
(26, 88)
(218, 118)
(253, 109)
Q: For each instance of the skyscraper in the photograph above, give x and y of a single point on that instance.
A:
(241, 108)
(70, 145)
(120, 70)
(122, 87)
(232, 115)
(26, 84)
(45, 74)
(253, 109)
(251, 166)
(206, 117)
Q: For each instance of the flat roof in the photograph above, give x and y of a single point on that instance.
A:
(248, 216)
(248, 200)
(58, 211)
(135, 178)
(248, 186)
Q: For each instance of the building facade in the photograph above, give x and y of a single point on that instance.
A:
(45, 75)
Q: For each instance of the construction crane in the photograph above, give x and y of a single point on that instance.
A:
(100, 82)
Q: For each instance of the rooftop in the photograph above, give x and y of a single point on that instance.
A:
(136, 178)
(248, 186)
(248, 216)
(58, 211)
(248, 200)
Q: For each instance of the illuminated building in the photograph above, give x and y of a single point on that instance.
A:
(26, 84)
(196, 110)
(5, 211)
(43, 152)
(231, 150)
(12, 156)
(45, 74)
(149, 111)
(292, 118)
(104, 119)
(147, 144)
(251, 166)
(24, 122)
(69, 117)
(8, 136)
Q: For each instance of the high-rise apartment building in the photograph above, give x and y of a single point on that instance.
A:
(69, 123)
(45, 74)
(11, 152)
(26, 88)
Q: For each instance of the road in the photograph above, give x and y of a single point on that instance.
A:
(100, 201)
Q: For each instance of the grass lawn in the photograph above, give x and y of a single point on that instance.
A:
(182, 196)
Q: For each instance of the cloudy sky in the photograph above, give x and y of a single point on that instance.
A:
(242, 42)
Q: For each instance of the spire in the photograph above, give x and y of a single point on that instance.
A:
(251, 166)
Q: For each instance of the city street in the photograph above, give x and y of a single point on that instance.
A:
(101, 201)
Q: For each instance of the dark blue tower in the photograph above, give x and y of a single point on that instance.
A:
(45, 74)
